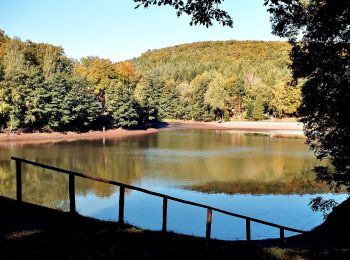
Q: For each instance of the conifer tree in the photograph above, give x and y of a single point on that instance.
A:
(122, 106)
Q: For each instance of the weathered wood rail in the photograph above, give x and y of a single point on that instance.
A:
(123, 186)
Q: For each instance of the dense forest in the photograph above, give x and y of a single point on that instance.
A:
(41, 89)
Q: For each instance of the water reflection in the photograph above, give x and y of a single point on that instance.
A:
(204, 166)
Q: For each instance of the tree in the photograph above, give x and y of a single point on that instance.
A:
(186, 96)
(170, 105)
(80, 109)
(148, 94)
(258, 109)
(236, 91)
(69, 104)
(122, 106)
(20, 80)
(199, 109)
(286, 99)
(319, 33)
(217, 95)
(202, 11)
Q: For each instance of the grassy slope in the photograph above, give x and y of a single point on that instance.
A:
(33, 232)
(41, 232)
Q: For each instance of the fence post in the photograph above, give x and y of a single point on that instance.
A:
(18, 180)
(72, 194)
(208, 228)
(121, 204)
(282, 235)
(247, 228)
(165, 213)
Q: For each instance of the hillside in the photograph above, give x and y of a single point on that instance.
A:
(250, 77)
(41, 89)
(184, 62)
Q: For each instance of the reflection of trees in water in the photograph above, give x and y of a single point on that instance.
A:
(48, 188)
(39, 187)
(297, 185)
(213, 161)
(238, 157)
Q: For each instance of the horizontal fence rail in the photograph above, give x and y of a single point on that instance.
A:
(123, 186)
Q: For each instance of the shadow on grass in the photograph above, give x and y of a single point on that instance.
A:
(33, 232)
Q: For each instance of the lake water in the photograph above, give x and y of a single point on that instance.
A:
(257, 175)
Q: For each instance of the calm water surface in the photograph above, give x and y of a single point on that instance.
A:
(252, 174)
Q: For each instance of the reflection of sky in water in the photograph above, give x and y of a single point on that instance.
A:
(170, 161)
(154, 153)
(146, 211)
(177, 155)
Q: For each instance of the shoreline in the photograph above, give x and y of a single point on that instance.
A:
(236, 125)
(73, 136)
(278, 128)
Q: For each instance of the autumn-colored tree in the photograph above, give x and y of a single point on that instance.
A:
(286, 99)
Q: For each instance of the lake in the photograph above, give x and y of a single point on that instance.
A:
(254, 174)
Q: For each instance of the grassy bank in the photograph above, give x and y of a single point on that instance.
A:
(34, 232)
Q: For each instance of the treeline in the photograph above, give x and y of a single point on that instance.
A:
(42, 89)
(240, 79)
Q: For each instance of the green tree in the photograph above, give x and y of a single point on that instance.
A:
(236, 91)
(80, 108)
(186, 96)
(319, 34)
(200, 110)
(148, 94)
(170, 105)
(258, 110)
(249, 108)
(122, 106)
(70, 105)
(19, 83)
(217, 95)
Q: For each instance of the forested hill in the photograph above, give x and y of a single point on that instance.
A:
(43, 89)
(242, 79)
(269, 60)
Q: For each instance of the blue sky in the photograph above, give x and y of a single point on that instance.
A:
(114, 29)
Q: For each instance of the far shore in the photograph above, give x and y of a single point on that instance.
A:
(279, 128)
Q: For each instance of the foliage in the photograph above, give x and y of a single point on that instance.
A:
(258, 109)
(248, 69)
(319, 204)
(202, 11)
(170, 104)
(38, 91)
(236, 91)
(122, 106)
(319, 34)
(149, 91)
(199, 109)
(286, 100)
(43, 90)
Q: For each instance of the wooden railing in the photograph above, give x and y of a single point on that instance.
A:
(123, 186)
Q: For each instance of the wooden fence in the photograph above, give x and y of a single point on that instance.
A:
(122, 187)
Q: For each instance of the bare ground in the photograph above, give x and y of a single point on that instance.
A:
(279, 128)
